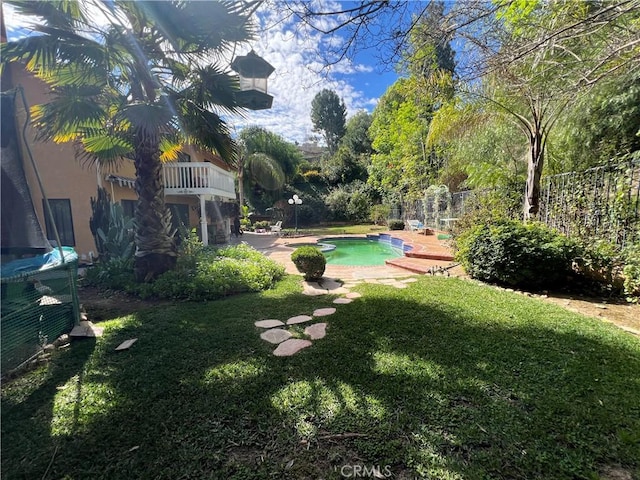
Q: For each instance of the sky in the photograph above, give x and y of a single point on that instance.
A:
(299, 74)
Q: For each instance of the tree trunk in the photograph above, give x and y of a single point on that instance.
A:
(155, 247)
(534, 174)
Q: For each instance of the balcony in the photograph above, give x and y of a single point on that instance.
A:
(198, 178)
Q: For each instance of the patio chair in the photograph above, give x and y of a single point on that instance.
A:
(415, 225)
(277, 228)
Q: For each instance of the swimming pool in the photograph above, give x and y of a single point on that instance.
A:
(370, 251)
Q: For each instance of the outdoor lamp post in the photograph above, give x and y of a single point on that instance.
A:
(295, 201)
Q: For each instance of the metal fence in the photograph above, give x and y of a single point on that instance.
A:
(437, 209)
(599, 203)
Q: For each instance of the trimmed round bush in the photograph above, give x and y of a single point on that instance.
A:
(396, 225)
(516, 254)
(310, 262)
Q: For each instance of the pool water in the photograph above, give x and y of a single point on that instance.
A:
(359, 252)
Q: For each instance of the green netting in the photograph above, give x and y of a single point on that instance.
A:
(37, 307)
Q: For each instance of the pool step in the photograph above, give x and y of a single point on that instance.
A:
(447, 257)
(416, 265)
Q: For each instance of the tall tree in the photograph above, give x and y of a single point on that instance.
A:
(136, 85)
(328, 114)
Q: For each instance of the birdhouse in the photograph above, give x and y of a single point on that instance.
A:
(253, 71)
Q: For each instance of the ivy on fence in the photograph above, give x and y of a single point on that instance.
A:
(599, 203)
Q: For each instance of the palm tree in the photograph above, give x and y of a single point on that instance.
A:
(136, 79)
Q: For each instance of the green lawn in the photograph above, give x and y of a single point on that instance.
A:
(345, 230)
(446, 379)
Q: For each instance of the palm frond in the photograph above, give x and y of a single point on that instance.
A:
(59, 13)
(72, 108)
(170, 148)
(149, 118)
(199, 28)
(213, 88)
(105, 148)
(206, 129)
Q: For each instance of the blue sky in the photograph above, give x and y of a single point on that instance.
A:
(292, 49)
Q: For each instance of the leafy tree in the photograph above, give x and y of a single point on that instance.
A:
(603, 124)
(268, 164)
(138, 86)
(328, 114)
(356, 138)
(398, 132)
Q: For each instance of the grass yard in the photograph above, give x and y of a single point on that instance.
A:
(445, 379)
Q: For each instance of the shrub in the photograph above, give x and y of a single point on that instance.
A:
(396, 224)
(631, 272)
(379, 213)
(600, 263)
(262, 224)
(310, 262)
(202, 273)
(516, 254)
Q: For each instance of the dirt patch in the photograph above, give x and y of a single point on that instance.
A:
(623, 314)
(107, 304)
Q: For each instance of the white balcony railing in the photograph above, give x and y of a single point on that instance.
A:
(197, 178)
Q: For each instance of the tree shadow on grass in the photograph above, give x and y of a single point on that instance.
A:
(429, 390)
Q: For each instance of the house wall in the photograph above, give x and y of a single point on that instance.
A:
(64, 176)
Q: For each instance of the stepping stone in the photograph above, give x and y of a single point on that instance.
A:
(298, 319)
(275, 335)
(353, 295)
(387, 281)
(323, 312)
(126, 345)
(342, 301)
(269, 323)
(313, 289)
(86, 329)
(291, 347)
(371, 280)
(399, 285)
(340, 291)
(316, 331)
(409, 280)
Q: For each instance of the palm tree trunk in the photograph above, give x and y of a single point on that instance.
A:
(155, 246)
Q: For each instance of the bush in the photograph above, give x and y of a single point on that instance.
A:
(310, 262)
(396, 224)
(631, 272)
(202, 273)
(379, 213)
(262, 224)
(516, 254)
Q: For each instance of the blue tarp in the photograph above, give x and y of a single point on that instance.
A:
(51, 259)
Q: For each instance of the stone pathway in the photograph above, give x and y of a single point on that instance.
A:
(275, 331)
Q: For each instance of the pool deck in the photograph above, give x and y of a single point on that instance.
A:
(428, 254)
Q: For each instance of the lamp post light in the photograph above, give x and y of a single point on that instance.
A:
(295, 201)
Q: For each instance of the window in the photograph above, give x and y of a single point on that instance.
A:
(128, 208)
(179, 214)
(61, 211)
